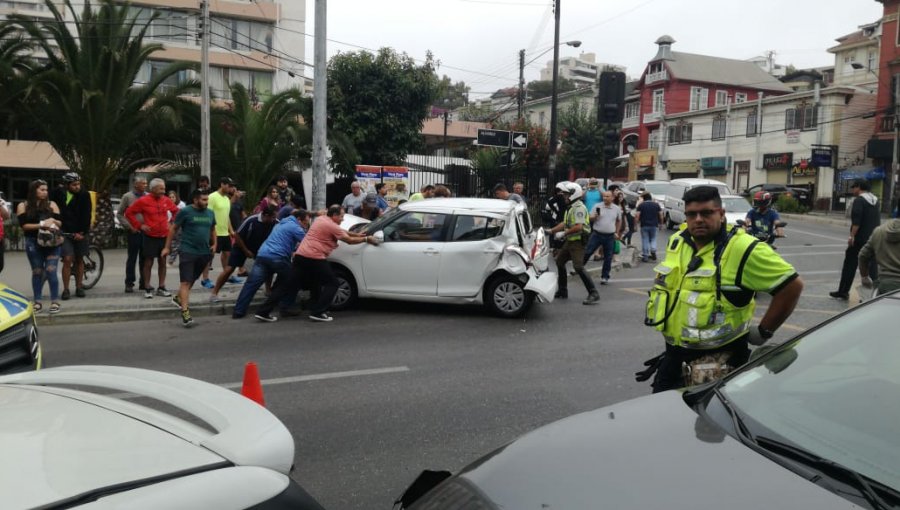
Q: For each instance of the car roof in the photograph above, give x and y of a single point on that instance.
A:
(492, 205)
(69, 442)
(692, 181)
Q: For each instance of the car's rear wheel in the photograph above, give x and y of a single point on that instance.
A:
(669, 223)
(505, 295)
(346, 294)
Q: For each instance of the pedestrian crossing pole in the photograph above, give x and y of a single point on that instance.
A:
(204, 90)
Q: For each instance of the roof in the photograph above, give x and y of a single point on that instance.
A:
(725, 71)
(858, 38)
(491, 205)
(29, 155)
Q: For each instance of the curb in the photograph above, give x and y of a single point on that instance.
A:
(203, 309)
(837, 221)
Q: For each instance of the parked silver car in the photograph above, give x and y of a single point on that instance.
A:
(449, 250)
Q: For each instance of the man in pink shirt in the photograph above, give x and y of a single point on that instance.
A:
(310, 264)
(154, 209)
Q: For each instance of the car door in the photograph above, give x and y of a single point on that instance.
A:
(408, 260)
(471, 253)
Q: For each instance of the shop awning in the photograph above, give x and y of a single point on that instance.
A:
(868, 172)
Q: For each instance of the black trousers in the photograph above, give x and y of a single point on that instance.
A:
(669, 375)
(315, 274)
(135, 241)
(851, 265)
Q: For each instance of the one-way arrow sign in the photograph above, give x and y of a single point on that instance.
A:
(519, 140)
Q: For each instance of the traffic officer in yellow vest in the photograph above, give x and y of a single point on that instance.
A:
(574, 229)
(703, 295)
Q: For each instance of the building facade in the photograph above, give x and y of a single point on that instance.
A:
(583, 69)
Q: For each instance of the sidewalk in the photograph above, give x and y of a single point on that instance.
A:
(107, 301)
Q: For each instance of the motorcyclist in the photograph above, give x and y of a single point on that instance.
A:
(762, 220)
(554, 209)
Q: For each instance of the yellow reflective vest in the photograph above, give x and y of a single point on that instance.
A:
(704, 298)
(575, 214)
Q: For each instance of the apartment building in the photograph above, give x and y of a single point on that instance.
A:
(583, 69)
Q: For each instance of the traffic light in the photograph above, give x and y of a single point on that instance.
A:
(611, 98)
(610, 142)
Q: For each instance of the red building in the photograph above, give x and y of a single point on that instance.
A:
(880, 148)
(676, 82)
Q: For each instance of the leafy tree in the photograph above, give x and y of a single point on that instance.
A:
(380, 102)
(14, 66)
(581, 136)
(452, 95)
(85, 100)
(537, 155)
(489, 164)
(539, 89)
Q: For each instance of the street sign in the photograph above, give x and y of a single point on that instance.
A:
(519, 140)
(493, 138)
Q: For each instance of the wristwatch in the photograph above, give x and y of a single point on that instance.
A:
(765, 333)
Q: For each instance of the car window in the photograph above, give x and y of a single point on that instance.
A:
(675, 191)
(476, 228)
(416, 227)
(833, 392)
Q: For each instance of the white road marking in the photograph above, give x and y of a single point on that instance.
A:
(792, 230)
(294, 379)
(319, 377)
(807, 254)
(650, 279)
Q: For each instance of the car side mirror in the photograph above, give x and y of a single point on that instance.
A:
(378, 236)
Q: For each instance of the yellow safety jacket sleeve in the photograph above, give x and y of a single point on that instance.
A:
(764, 270)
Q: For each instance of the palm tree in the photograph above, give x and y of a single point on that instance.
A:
(85, 99)
(254, 143)
(14, 65)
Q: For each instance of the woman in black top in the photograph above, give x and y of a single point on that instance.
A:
(35, 213)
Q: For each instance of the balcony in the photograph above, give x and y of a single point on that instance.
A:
(630, 122)
(655, 77)
(887, 123)
(650, 118)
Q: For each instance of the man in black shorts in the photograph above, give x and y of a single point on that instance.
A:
(75, 212)
(252, 233)
(198, 242)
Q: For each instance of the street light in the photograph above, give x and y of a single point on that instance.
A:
(522, 64)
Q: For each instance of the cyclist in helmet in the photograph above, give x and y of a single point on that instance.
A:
(75, 212)
(762, 218)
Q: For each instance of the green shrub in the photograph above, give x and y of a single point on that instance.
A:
(788, 204)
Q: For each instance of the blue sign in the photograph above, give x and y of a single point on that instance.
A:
(821, 157)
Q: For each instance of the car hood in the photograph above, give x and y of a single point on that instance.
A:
(733, 217)
(651, 452)
(57, 447)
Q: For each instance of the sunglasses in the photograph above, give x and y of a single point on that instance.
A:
(706, 213)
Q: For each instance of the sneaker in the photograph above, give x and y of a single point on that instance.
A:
(129, 289)
(214, 298)
(54, 308)
(321, 317)
(592, 299)
(264, 317)
(148, 293)
(604, 281)
(186, 319)
(176, 300)
(163, 292)
(839, 295)
(79, 292)
(65, 295)
(652, 255)
(235, 280)
(208, 284)
(644, 259)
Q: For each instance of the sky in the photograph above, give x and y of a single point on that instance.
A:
(478, 41)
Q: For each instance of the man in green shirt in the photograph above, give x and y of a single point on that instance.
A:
(198, 242)
(220, 204)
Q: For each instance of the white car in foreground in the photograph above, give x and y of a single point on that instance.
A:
(449, 250)
(72, 448)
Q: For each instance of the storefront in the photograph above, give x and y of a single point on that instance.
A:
(642, 165)
(777, 166)
(683, 168)
(873, 174)
(715, 168)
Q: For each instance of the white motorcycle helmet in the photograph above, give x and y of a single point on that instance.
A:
(563, 186)
(575, 191)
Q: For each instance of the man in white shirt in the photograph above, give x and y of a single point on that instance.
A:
(353, 199)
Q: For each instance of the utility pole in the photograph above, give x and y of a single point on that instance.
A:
(889, 188)
(521, 83)
(320, 115)
(729, 168)
(554, 99)
(446, 121)
(204, 90)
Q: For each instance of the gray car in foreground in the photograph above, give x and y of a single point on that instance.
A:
(813, 423)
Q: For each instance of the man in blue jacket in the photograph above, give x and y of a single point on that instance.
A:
(273, 258)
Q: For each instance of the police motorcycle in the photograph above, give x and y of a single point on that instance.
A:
(759, 230)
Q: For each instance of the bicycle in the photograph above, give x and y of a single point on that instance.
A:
(93, 265)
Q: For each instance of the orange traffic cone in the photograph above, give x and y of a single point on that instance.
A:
(252, 387)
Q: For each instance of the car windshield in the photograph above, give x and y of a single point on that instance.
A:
(380, 221)
(834, 392)
(735, 205)
(656, 188)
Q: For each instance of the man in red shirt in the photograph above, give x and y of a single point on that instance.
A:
(154, 208)
(310, 265)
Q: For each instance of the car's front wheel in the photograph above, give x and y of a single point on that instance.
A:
(505, 295)
(346, 294)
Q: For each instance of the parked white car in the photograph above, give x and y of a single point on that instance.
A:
(675, 194)
(736, 208)
(73, 448)
(451, 250)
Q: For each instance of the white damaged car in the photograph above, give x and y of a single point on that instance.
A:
(448, 250)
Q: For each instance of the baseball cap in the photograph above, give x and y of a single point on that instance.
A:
(370, 199)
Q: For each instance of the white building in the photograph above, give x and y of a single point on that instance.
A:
(856, 57)
(537, 111)
(583, 69)
(770, 140)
